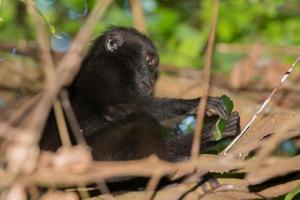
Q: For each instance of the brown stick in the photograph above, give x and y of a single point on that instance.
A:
(104, 170)
(43, 42)
(71, 117)
(61, 124)
(138, 16)
(23, 48)
(66, 70)
(208, 57)
(246, 48)
(47, 61)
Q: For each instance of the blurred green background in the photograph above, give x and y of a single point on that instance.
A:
(178, 28)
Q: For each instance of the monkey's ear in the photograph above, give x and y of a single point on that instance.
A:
(113, 42)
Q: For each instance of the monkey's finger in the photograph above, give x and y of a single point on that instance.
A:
(216, 106)
(233, 126)
(210, 113)
(234, 119)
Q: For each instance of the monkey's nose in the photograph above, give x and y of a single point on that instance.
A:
(151, 60)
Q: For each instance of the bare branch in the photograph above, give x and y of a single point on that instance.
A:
(208, 59)
(67, 69)
(43, 41)
(138, 16)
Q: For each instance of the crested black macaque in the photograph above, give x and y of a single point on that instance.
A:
(120, 119)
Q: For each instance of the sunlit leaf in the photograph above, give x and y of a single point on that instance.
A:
(220, 127)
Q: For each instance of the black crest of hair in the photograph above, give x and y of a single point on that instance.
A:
(112, 99)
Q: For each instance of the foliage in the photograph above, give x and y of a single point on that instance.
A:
(179, 28)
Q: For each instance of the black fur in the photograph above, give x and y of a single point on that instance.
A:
(111, 97)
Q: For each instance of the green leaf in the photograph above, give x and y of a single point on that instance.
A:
(220, 127)
(292, 193)
(228, 103)
(221, 123)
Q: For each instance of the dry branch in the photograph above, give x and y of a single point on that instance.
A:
(206, 79)
(50, 176)
(267, 171)
(23, 48)
(138, 16)
(257, 170)
(66, 69)
(246, 48)
(43, 42)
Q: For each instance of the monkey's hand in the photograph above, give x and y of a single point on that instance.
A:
(232, 129)
(215, 106)
(179, 146)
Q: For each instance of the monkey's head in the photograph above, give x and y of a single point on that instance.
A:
(133, 53)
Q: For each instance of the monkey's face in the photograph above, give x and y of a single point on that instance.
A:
(136, 55)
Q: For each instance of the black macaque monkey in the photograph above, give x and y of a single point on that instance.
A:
(120, 119)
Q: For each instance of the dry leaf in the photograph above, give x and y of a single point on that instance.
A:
(267, 170)
(279, 190)
(263, 126)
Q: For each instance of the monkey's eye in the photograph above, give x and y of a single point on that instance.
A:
(113, 42)
(151, 60)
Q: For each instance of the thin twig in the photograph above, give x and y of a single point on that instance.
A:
(39, 114)
(138, 16)
(21, 113)
(102, 187)
(246, 48)
(66, 70)
(70, 64)
(44, 45)
(206, 72)
(43, 42)
(71, 117)
(61, 124)
(262, 106)
(21, 48)
(152, 185)
(84, 194)
(146, 167)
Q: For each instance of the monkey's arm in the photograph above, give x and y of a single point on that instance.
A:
(162, 109)
(179, 147)
(126, 138)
